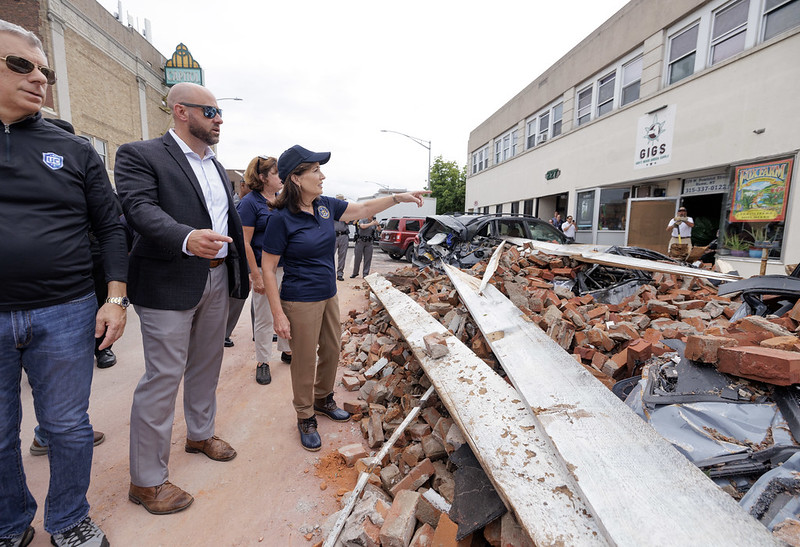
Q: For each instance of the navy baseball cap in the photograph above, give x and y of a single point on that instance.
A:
(296, 155)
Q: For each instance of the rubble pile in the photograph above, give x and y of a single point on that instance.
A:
(409, 494)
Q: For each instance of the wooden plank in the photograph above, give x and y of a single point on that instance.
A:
(590, 254)
(514, 451)
(641, 489)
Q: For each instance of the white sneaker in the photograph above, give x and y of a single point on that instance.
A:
(85, 534)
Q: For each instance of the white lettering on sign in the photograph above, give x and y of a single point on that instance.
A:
(712, 184)
(181, 75)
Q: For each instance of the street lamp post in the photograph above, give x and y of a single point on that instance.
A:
(424, 144)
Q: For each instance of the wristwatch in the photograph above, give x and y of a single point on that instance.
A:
(119, 301)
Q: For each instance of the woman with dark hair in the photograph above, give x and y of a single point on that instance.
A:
(306, 310)
(261, 176)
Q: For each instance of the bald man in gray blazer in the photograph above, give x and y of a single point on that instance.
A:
(187, 259)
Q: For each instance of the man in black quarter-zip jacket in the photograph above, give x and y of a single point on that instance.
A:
(53, 190)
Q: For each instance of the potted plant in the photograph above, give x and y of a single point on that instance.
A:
(760, 240)
(736, 244)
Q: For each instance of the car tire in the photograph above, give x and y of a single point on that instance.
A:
(410, 253)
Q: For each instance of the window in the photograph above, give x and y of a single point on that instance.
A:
(682, 53)
(631, 80)
(605, 94)
(511, 228)
(514, 207)
(486, 210)
(613, 205)
(480, 159)
(412, 225)
(780, 15)
(100, 146)
(498, 208)
(530, 133)
(505, 147)
(584, 105)
(730, 27)
(544, 122)
(558, 113)
(585, 210)
(528, 208)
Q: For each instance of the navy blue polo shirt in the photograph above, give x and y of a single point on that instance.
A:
(253, 210)
(306, 244)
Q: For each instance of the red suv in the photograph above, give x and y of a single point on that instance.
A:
(397, 238)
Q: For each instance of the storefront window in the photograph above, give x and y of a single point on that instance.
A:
(585, 210)
(613, 207)
(756, 208)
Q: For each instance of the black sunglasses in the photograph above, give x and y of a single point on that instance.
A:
(21, 65)
(209, 112)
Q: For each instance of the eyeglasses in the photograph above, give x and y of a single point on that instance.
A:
(681, 210)
(209, 112)
(21, 65)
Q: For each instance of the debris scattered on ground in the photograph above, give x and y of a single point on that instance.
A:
(617, 324)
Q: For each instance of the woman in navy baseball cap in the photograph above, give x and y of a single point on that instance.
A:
(306, 309)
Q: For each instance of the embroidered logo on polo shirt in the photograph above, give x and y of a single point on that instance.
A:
(53, 160)
(323, 211)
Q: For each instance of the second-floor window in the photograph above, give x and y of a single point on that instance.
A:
(631, 81)
(780, 15)
(584, 105)
(729, 30)
(682, 53)
(558, 114)
(605, 94)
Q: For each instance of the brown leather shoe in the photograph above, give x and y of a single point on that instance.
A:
(160, 500)
(215, 448)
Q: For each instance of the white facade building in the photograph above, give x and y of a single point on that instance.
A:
(685, 102)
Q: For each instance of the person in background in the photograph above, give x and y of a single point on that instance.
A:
(306, 308)
(255, 208)
(569, 229)
(235, 305)
(53, 190)
(556, 220)
(681, 227)
(187, 259)
(365, 232)
(342, 243)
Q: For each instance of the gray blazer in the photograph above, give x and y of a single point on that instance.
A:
(163, 202)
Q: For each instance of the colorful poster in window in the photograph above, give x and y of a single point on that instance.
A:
(760, 191)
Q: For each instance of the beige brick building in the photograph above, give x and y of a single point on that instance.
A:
(665, 104)
(110, 78)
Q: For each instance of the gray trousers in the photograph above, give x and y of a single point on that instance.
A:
(178, 344)
(342, 242)
(363, 248)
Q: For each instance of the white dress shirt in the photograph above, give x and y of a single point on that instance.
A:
(214, 190)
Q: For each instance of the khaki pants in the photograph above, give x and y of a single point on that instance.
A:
(684, 240)
(316, 332)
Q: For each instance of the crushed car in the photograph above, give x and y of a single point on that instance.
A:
(464, 240)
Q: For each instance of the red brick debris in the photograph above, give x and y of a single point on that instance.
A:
(612, 341)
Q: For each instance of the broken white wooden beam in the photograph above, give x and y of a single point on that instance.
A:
(638, 486)
(511, 446)
(590, 254)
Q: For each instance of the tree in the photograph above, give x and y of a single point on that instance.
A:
(448, 185)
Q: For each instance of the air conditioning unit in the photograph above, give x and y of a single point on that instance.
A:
(541, 138)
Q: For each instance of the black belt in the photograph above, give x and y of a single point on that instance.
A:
(341, 233)
(364, 238)
(216, 262)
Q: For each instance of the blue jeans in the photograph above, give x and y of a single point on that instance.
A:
(55, 346)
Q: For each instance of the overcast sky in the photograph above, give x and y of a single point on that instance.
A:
(330, 75)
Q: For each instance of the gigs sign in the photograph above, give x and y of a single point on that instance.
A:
(654, 133)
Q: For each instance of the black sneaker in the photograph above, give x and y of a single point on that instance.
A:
(327, 406)
(309, 437)
(263, 376)
(286, 357)
(21, 540)
(85, 534)
(339, 278)
(105, 358)
(228, 343)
